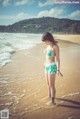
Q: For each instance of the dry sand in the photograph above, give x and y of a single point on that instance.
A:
(24, 90)
(70, 38)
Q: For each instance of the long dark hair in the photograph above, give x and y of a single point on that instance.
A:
(48, 37)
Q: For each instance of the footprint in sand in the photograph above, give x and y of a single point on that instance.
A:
(51, 105)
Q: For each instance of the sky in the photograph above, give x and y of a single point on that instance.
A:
(12, 11)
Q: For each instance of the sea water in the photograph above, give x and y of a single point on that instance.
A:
(12, 42)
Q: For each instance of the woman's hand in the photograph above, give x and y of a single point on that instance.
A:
(59, 73)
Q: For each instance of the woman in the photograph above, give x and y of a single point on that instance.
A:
(52, 63)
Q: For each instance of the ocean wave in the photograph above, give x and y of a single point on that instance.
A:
(5, 55)
(12, 42)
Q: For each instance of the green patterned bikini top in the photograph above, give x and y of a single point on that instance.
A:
(49, 53)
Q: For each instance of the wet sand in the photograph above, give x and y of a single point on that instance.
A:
(24, 90)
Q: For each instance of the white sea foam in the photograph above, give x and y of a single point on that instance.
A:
(71, 94)
(12, 42)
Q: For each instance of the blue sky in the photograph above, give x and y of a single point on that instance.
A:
(12, 11)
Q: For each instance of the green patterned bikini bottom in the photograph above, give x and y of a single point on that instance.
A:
(51, 68)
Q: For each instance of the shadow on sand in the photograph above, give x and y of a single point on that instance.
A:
(76, 106)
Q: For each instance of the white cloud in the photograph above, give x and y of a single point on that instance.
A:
(10, 19)
(5, 3)
(74, 15)
(48, 2)
(21, 15)
(23, 2)
(6, 17)
(54, 12)
(14, 18)
(16, 2)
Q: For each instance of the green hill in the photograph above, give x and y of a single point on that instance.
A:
(40, 25)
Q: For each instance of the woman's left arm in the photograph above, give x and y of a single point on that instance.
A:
(57, 57)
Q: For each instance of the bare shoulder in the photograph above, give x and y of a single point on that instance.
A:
(56, 47)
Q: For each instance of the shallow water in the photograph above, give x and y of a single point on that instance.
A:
(23, 93)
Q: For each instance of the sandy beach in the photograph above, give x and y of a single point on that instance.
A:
(24, 90)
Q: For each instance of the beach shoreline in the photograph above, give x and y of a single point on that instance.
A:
(24, 90)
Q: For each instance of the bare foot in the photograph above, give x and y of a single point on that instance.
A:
(53, 105)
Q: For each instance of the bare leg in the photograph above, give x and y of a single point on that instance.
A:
(51, 78)
(46, 76)
(49, 92)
